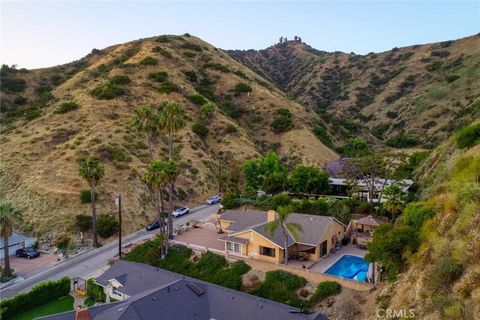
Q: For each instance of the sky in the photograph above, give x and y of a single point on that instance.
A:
(41, 34)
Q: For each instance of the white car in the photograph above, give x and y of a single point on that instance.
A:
(213, 199)
(180, 212)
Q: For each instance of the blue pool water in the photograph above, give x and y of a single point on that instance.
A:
(349, 267)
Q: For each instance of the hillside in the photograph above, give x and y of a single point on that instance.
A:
(53, 117)
(427, 91)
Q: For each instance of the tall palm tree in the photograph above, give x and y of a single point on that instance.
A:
(172, 118)
(155, 177)
(285, 227)
(91, 170)
(171, 172)
(9, 216)
(394, 204)
(145, 121)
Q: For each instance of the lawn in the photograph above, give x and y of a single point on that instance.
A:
(61, 305)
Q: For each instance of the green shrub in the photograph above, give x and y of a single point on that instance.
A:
(107, 225)
(416, 214)
(120, 79)
(230, 128)
(168, 87)
(283, 122)
(95, 292)
(200, 130)
(44, 98)
(83, 222)
(149, 61)
(107, 91)
(197, 99)
(280, 200)
(233, 110)
(402, 140)
(242, 88)
(322, 135)
(217, 67)
(160, 76)
(190, 75)
(229, 200)
(13, 84)
(281, 286)
(452, 77)
(85, 196)
(191, 46)
(67, 107)
(444, 275)
(325, 289)
(40, 294)
(207, 110)
(468, 136)
(20, 100)
(355, 147)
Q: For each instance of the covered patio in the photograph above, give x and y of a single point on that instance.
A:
(363, 232)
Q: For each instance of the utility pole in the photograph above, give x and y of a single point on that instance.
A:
(118, 202)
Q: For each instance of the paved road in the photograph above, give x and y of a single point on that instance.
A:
(87, 263)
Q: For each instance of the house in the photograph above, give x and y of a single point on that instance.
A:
(341, 188)
(183, 298)
(16, 241)
(247, 235)
(360, 229)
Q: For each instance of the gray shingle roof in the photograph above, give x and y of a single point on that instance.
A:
(314, 227)
(135, 277)
(176, 300)
(277, 237)
(242, 220)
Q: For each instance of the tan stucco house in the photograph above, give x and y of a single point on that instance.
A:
(247, 235)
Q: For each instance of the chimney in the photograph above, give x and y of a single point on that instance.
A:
(82, 314)
(271, 215)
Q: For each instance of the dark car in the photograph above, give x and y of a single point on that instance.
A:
(152, 226)
(28, 253)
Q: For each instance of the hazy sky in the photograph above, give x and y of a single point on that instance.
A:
(40, 34)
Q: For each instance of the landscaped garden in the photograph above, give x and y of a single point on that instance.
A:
(53, 307)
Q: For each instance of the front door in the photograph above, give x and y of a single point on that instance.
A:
(323, 248)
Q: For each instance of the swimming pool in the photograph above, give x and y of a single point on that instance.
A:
(350, 267)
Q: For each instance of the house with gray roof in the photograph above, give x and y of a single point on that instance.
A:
(183, 298)
(247, 235)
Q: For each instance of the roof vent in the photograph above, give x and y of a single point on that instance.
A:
(155, 298)
(198, 291)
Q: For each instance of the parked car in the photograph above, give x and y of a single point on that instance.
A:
(154, 225)
(214, 199)
(28, 253)
(180, 211)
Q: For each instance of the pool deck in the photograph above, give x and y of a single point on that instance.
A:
(324, 263)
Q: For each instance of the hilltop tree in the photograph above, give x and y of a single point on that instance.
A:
(145, 121)
(172, 118)
(9, 216)
(91, 170)
(285, 227)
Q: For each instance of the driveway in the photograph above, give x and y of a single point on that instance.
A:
(202, 237)
(23, 267)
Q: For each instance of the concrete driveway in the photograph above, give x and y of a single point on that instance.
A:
(23, 266)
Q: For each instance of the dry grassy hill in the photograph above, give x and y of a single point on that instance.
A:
(43, 138)
(428, 90)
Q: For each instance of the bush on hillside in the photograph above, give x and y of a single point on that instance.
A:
(402, 140)
(168, 87)
(67, 107)
(160, 76)
(107, 91)
(13, 84)
(149, 61)
(325, 289)
(83, 222)
(20, 100)
(444, 275)
(120, 79)
(200, 130)
(107, 225)
(190, 75)
(242, 88)
(281, 286)
(416, 214)
(40, 294)
(468, 136)
(229, 201)
(197, 99)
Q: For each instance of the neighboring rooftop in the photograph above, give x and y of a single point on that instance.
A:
(241, 220)
(187, 298)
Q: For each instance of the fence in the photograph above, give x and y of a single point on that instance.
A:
(266, 266)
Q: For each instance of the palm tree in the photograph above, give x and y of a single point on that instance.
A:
(171, 173)
(9, 216)
(285, 227)
(172, 118)
(155, 177)
(394, 204)
(145, 121)
(91, 170)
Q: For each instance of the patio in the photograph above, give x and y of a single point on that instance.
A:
(326, 262)
(204, 237)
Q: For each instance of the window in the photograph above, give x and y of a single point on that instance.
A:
(234, 247)
(265, 251)
(115, 292)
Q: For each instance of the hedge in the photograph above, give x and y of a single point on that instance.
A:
(40, 294)
(325, 289)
